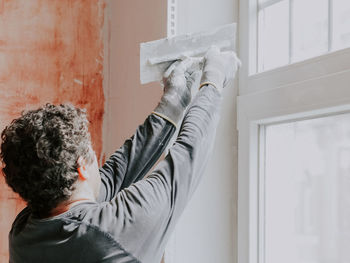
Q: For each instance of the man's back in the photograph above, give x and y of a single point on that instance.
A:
(131, 224)
(77, 235)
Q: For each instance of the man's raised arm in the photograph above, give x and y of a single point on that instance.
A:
(139, 153)
(147, 211)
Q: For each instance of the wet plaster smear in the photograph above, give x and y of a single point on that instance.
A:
(50, 51)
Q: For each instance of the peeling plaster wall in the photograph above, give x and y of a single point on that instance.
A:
(50, 51)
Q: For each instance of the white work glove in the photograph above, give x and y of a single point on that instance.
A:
(178, 81)
(219, 67)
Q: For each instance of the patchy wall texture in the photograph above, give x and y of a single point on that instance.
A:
(50, 51)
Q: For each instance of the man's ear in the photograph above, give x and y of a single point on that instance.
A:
(83, 174)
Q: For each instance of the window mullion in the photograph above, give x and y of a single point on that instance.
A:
(258, 40)
(330, 25)
(262, 194)
(290, 31)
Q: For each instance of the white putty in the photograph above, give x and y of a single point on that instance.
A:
(78, 81)
(99, 61)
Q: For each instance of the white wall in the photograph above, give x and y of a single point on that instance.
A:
(206, 231)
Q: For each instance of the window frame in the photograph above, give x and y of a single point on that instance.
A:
(310, 99)
(330, 36)
(252, 81)
(312, 88)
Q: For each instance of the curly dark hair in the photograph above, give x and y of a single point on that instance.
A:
(40, 150)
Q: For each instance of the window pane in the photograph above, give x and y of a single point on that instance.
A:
(310, 28)
(307, 191)
(273, 36)
(341, 20)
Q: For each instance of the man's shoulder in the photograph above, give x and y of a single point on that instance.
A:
(21, 220)
(99, 216)
(82, 228)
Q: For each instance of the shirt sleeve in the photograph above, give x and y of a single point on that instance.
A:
(147, 211)
(136, 157)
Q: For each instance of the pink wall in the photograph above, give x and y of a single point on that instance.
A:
(129, 103)
(50, 51)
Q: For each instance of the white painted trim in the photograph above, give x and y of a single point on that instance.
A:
(261, 192)
(248, 30)
(317, 67)
(172, 18)
(330, 25)
(308, 89)
(290, 28)
(250, 81)
(325, 92)
(313, 98)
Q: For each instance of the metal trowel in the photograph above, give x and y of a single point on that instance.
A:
(156, 56)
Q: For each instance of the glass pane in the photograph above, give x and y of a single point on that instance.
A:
(341, 26)
(307, 191)
(310, 28)
(273, 40)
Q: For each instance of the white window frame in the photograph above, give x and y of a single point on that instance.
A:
(330, 32)
(250, 81)
(312, 88)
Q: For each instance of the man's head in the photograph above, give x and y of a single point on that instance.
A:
(46, 153)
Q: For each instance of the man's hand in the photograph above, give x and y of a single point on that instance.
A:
(178, 81)
(219, 67)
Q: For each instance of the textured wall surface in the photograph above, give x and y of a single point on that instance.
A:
(50, 51)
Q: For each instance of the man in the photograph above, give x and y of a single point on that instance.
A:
(79, 213)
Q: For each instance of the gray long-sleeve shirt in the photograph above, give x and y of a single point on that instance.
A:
(134, 216)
